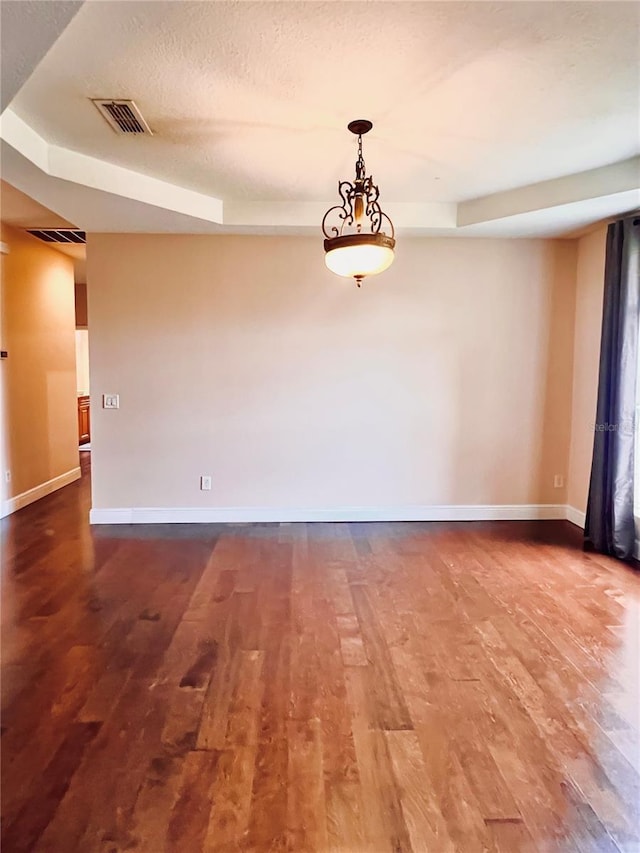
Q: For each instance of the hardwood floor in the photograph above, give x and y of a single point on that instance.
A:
(344, 687)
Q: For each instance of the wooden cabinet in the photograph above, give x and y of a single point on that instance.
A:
(84, 420)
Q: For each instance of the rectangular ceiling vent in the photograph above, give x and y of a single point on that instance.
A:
(122, 116)
(59, 235)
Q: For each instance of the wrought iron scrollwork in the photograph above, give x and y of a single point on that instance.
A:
(360, 211)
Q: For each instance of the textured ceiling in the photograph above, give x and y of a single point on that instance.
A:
(44, 20)
(250, 100)
(505, 119)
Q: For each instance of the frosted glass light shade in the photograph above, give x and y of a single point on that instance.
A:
(359, 255)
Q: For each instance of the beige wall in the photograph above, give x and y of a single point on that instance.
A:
(589, 292)
(39, 377)
(447, 380)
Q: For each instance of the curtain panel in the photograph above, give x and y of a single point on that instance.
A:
(609, 526)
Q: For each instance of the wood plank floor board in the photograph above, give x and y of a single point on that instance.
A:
(231, 796)
(189, 819)
(354, 688)
(426, 826)
(157, 795)
(390, 709)
(455, 798)
(384, 825)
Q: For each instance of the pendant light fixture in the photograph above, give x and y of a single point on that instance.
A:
(356, 244)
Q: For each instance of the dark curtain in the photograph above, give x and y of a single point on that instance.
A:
(609, 526)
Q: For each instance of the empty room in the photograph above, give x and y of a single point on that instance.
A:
(319, 466)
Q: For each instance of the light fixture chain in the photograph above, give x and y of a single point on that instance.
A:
(360, 167)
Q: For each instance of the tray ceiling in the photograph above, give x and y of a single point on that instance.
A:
(472, 104)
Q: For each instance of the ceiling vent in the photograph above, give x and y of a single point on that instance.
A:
(59, 235)
(123, 116)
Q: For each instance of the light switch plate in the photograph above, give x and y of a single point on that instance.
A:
(110, 401)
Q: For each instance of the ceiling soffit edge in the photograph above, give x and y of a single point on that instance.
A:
(63, 163)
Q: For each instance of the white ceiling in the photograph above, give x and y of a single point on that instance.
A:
(249, 101)
(44, 21)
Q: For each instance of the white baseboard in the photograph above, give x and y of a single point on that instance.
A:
(31, 495)
(576, 516)
(244, 515)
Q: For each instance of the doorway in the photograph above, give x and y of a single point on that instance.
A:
(82, 368)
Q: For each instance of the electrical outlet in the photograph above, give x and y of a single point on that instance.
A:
(110, 401)
(205, 484)
(7, 476)
(558, 481)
